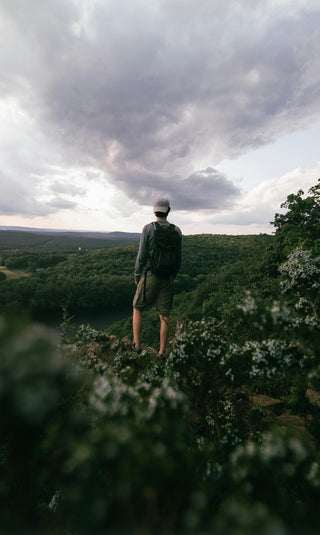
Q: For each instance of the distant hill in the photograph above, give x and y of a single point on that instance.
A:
(34, 238)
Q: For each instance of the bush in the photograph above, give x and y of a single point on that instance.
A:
(42, 421)
(152, 445)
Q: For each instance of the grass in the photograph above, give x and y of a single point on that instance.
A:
(14, 274)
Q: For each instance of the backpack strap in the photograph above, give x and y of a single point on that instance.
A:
(155, 224)
(144, 286)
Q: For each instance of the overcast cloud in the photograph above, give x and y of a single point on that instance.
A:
(153, 95)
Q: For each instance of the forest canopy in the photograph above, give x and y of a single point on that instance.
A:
(103, 279)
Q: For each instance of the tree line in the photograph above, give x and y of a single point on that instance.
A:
(103, 279)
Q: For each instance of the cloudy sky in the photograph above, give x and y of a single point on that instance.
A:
(106, 105)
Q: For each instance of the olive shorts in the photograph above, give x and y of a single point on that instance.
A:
(154, 290)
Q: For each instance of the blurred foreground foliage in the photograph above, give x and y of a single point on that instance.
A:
(221, 437)
(95, 438)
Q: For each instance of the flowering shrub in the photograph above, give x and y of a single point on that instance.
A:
(300, 270)
(203, 363)
(198, 365)
(148, 444)
(132, 467)
(86, 334)
(260, 320)
(270, 477)
(262, 364)
(195, 357)
(301, 277)
(223, 425)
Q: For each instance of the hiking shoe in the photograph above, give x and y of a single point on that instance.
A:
(138, 351)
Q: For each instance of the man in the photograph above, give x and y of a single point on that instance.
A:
(155, 285)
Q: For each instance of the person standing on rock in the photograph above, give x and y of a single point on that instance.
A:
(158, 262)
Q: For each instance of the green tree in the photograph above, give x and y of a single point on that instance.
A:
(300, 225)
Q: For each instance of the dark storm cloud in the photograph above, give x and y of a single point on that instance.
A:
(67, 188)
(61, 204)
(145, 90)
(206, 189)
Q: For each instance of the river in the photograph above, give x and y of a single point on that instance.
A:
(96, 319)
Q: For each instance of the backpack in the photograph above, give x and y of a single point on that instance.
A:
(165, 258)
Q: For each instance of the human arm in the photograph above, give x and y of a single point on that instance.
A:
(179, 253)
(142, 256)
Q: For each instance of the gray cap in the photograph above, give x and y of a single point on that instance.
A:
(161, 205)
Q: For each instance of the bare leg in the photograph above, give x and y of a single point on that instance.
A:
(137, 327)
(164, 332)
